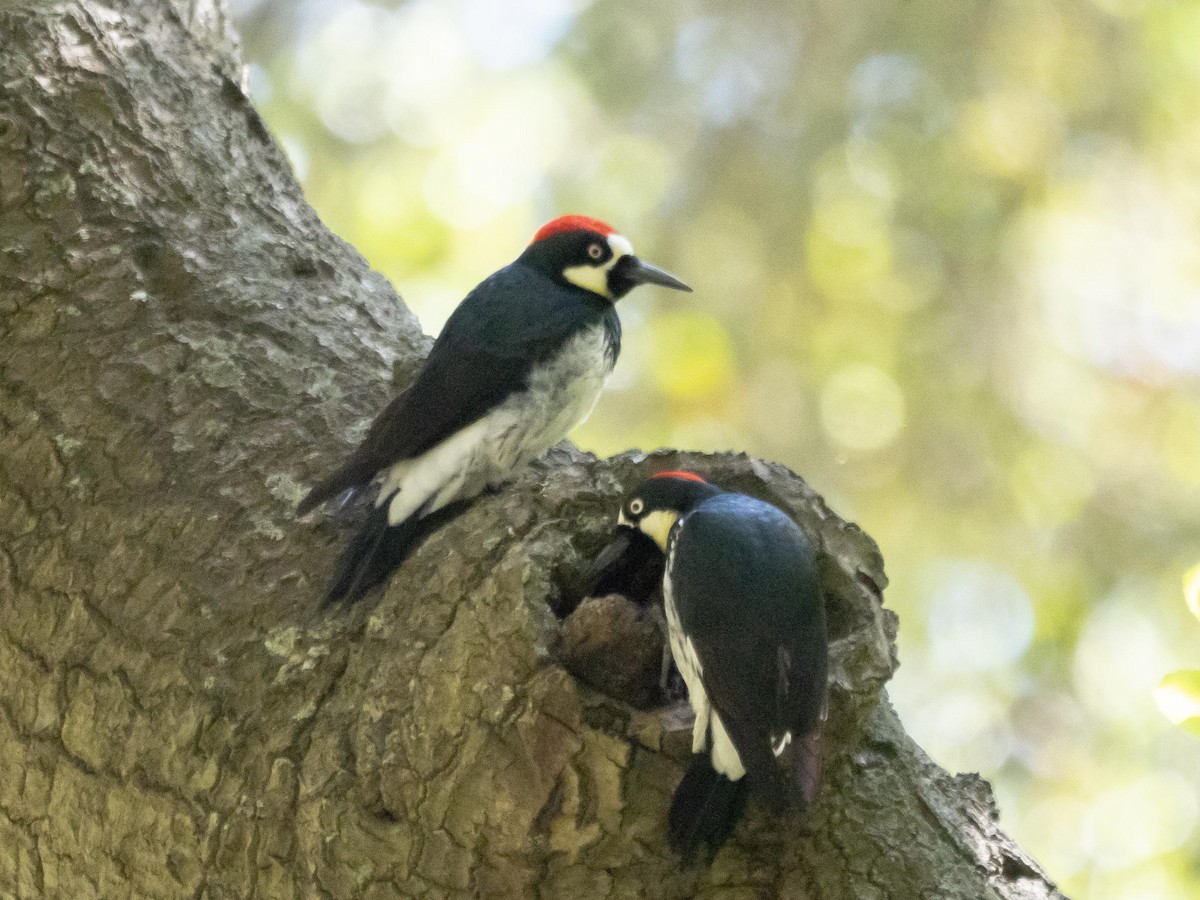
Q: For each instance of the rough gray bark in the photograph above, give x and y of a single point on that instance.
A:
(182, 345)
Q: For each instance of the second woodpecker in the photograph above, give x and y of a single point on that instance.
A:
(519, 363)
(746, 625)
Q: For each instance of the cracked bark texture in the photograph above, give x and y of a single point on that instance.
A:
(182, 347)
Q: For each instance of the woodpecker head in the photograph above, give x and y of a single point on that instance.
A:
(660, 501)
(590, 254)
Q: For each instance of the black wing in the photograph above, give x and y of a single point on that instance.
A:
(509, 323)
(752, 606)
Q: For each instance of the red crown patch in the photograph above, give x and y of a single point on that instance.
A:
(572, 223)
(689, 476)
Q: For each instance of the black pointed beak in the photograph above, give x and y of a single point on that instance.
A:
(632, 271)
(613, 551)
(642, 272)
(631, 565)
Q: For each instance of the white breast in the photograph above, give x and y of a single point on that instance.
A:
(561, 394)
(724, 755)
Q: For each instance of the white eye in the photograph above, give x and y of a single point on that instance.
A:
(595, 251)
(636, 506)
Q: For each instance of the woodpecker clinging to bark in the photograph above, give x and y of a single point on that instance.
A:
(746, 625)
(518, 364)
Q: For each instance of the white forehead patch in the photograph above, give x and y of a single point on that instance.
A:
(620, 247)
(595, 278)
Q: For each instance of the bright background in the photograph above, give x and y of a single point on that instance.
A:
(947, 266)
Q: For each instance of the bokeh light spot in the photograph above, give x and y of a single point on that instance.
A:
(1116, 632)
(1114, 267)
(1051, 485)
(1181, 442)
(1009, 132)
(1191, 589)
(631, 176)
(862, 408)
(980, 618)
(1178, 696)
(847, 247)
(1132, 821)
(517, 32)
(724, 248)
(692, 357)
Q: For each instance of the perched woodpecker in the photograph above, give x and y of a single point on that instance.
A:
(519, 363)
(746, 626)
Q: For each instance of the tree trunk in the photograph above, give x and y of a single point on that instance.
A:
(182, 347)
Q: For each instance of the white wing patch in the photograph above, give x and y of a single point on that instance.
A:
(724, 755)
(439, 471)
(725, 758)
(779, 743)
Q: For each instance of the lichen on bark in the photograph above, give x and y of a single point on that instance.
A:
(182, 346)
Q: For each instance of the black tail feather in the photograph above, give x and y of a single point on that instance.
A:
(705, 808)
(364, 561)
(377, 548)
(352, 474)
(787, 780)
(802, 760)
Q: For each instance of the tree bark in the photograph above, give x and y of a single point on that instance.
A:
(182, 347)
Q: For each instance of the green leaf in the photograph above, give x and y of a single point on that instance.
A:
(1191, 589)
(1178, 697)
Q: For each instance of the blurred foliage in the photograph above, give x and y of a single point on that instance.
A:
(1178, 694)
(947, 267)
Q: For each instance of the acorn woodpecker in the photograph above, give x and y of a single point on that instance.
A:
(746, 625)
(518, 364)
